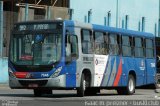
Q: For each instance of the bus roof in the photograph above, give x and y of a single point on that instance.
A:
(95, 27)
(122, 31)
(108, 29)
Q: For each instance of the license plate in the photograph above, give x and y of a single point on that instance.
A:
(33, 85)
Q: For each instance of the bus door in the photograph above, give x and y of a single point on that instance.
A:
(71, 55)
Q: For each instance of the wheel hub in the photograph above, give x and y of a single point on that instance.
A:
(131, 85)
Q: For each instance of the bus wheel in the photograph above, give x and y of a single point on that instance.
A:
(48, 92)
(82, 88)
(120, 91)
(92, 91)
(130, 89)
(37, 92)
(131, 85)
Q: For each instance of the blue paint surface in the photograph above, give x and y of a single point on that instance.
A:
(70, 67)
(143, 77)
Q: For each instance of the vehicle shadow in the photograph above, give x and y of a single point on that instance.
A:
(61, 95)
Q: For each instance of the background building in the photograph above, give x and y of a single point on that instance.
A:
(139, 15)
(12, 11)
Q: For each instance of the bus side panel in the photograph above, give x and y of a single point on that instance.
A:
(71, 74)
(128, 64)
(113, 71)
(136, 65)
(116, 70)
(150, 71)
(100, 65)
(140, 71)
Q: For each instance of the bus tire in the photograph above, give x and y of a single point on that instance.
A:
(82, 88)
(131, 85)
(121, 91)
(92, 91)
(130, 89)
(37, 92)
(48, 92)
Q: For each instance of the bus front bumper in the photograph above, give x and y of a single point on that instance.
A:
(57, 82)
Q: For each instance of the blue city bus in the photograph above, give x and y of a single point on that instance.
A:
(65, 54)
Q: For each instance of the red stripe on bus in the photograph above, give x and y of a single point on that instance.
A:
(118, 74)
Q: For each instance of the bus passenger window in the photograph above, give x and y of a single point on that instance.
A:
(126, 46)
(71, 48)
(113, 44)
(106, 43)
(139, 49)
(149, 48)
(68, 47)
(87, 45)
(74, 46)
(100, 43)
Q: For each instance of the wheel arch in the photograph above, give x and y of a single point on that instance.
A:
(87, 72)
(133, 73)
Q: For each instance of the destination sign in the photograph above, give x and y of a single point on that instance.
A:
(23, 27)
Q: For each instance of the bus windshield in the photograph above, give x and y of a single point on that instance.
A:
(36, 49)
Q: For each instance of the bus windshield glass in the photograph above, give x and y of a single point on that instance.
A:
(36, 48)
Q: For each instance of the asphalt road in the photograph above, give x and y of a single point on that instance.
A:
(10, 97)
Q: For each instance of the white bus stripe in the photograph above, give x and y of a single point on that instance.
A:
(113, 74)
(105, 71)
(106, 77)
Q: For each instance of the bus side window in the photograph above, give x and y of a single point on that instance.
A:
(139, 47)
(71, 48)
(100, 43)
(126, 46)
(106, 43)
(149, 48)
(68, 47)
(74, 46)
(114, 44)
(87, 44)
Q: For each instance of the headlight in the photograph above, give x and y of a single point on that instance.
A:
(11, 74)
(56, 73)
